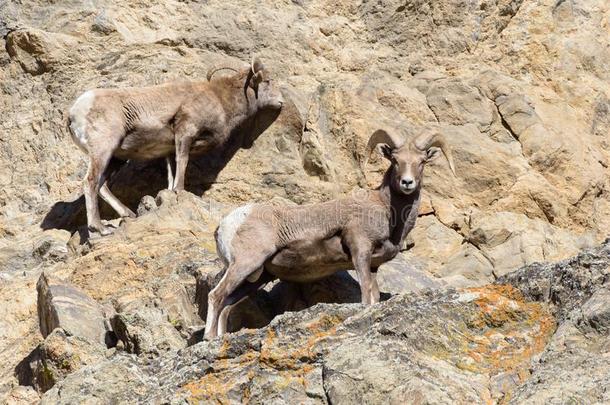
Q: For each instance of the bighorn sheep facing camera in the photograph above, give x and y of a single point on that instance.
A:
(146, 123)
(260, 242)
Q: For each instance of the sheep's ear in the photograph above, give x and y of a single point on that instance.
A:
(432, 153)
(386, 150)
(255, 80)
(257, 65)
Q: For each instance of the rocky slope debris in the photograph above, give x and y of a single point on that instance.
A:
(492, 343)
(484, 344)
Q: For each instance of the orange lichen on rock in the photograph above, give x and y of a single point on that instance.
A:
(211, 387)
(289, 358)
(507, 330)
(277, 357)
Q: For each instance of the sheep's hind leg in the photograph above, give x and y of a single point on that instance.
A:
(237, 272)
(245, 289)
(114, 202)
(93, 180)
(170, 173)
(110, 198)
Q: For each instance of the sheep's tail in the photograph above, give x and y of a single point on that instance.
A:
(227, 229)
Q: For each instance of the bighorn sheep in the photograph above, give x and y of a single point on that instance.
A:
(260, 242)
(159, 121)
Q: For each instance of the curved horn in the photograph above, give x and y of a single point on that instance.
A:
(215, 69)
(427, 140)
(381, 136)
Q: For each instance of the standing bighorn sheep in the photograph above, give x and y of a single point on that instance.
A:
(260, 242)
(159, 121)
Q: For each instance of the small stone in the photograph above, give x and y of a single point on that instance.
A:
(147, 204)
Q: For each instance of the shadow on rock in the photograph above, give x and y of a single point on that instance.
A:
(24, 371)
(279, 297)
(133, 179)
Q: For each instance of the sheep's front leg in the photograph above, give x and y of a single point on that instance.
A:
(361, 250)
(184, 138)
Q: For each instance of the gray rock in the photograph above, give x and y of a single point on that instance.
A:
(52, 246)
(596, 311)
(206, 279)
(457, 103)
(60, 355)
(116, 380)
(566, 284)
(103, 24)
(574, 366)
(22, 395)
(147, 331)
(176, 297)
(400, 276)
(61, 305)
(147, 204)
(411, 346)
(340, 287)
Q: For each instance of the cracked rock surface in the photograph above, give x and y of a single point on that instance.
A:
(475, 345)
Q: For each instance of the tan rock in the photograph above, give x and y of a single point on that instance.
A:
(61, 305)
(38, 51)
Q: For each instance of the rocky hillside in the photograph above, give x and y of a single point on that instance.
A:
(521, 89)
(478, 345)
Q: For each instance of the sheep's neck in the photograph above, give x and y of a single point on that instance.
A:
(403, 208)
(237, 106)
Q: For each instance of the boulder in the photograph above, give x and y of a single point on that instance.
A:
(577, 290)
(596, 311)
(39, 51)
(60, 354)
(147, 331)
(22, 395)
(61, 305)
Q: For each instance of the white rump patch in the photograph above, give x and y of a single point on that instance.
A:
(78, 118)
(227, 229)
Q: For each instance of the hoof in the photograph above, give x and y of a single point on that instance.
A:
(209, 336)
(102, 230)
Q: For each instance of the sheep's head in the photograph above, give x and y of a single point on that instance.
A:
(409, 158)
(267, 94)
